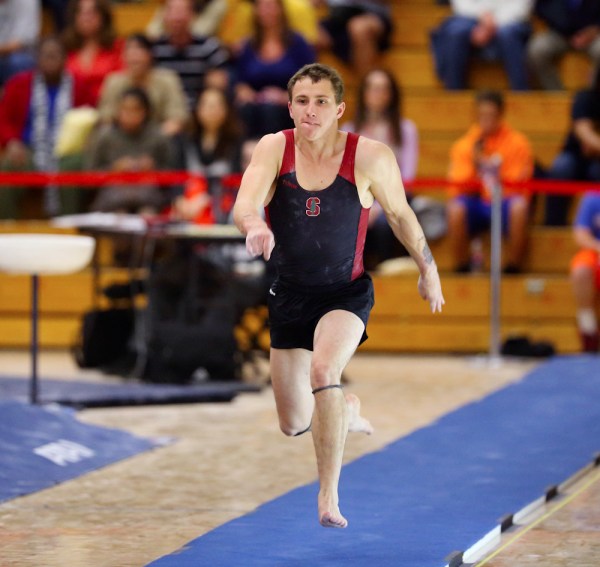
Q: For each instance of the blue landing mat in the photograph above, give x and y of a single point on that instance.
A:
(96, 394)
(43, 446)
(435, 491)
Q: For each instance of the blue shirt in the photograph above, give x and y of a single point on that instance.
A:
(260, 74)
(588, 215)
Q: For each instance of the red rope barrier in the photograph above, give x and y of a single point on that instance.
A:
(99, 178)
(96, 179)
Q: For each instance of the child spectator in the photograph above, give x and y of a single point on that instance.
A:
(585, 270)
(132, 143)
(490, 152)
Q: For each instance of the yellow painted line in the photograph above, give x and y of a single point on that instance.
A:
(543, 518)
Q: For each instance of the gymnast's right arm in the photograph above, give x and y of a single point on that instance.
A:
(255, 192)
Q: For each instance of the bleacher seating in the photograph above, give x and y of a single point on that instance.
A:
(538, 303)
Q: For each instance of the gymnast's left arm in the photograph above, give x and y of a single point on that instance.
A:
(378, 164)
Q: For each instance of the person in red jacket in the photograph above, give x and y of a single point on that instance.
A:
(31, 111)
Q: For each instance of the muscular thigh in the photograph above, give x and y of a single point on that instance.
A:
(290, 378)
(337, 336)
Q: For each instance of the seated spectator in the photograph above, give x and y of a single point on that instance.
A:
(32, 109)
(490, 152)
(378, 116)
(585, 271)
(163, 86)
(19, 29)
(579, 159)
(208, 15)
(132, 143)
(212, 150)
(198, 60)
(573, 25)
(263, 68)
(94, 51)
(239, 21)
(493, 29)
(356, 31)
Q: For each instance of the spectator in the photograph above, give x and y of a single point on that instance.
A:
(163, 86)
(32, 108)
(208, 15)
(356, 31)
(19, 29)
(94, 51)
(238, 24)
(494, 29)
(132, 143)
(585, 270)
(378, 116)
(579, 159)
(572, 25)
(198, 60)
(213, 150)
(263, 68)
(489, 145)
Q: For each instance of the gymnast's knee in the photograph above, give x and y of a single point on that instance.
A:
(290, 429)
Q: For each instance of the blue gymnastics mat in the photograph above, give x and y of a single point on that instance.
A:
(438, 490)
(41, 446)
(84, 394)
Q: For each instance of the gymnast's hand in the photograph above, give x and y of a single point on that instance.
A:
(260, 241)
(430, 289)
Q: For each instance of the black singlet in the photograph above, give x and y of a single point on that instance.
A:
(319, 235)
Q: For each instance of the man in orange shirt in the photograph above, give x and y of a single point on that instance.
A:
(491, 151)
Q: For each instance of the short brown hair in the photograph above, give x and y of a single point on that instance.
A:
(492, 97)
(318, 72)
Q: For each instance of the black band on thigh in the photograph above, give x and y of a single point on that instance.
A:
(304, 430)
(327, 388)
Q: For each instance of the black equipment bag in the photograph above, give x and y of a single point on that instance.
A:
(104, 337)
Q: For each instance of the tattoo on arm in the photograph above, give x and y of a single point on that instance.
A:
(427, 255)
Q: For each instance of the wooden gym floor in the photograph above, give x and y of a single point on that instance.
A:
(229, 458)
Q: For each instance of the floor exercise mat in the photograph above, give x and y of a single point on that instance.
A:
(41, 446)
(438, 490)
(100, 394)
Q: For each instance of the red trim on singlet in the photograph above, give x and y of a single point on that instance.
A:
(288, 162)
(267, 216)
(358, 268)
(349, 159)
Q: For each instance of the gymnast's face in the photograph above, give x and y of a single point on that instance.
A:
(313, 108)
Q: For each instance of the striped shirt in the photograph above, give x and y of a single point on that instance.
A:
(191, 62)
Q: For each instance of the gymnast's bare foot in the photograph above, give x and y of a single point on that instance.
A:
(356, 423)
(329, 512)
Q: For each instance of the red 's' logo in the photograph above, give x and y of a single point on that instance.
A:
(312, 206)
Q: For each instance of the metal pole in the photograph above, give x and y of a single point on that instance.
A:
(495, 269)
(33, 386)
